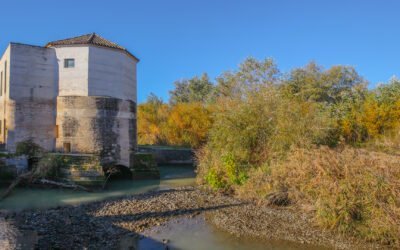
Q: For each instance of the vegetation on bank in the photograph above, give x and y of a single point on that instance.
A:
(46, 169)
(315, 138)
(183, 124)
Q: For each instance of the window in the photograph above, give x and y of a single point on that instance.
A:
(69, 63)
(67, 147)
(1, 83)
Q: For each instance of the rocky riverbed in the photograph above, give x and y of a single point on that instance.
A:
(8, 235)
(104, 225)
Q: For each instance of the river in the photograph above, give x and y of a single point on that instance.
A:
(185, 233)
(24, 198)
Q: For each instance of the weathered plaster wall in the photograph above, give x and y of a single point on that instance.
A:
(73, 81)
(31, 96)
(111, 73)
(95, 124)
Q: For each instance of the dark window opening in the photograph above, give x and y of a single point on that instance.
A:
(67, 147)
(69, 63)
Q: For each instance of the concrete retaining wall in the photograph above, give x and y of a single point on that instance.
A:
(169, 156)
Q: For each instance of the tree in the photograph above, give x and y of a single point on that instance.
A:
(388, 93)
(250, 77)
(152, 117)
(188, 124)
(312, 83)
(154, 100)
(197, 89)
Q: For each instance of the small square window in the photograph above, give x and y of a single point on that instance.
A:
(67, 147)
(69, 63)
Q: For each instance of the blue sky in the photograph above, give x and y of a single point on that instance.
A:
(178, 39)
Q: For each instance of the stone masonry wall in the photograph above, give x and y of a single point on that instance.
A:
(99, 125)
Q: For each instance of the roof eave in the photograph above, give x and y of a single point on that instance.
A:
(49, 45)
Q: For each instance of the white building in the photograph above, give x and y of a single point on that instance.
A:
(74, 95)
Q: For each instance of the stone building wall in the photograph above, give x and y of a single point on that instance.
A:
(92, 124)
(31, 95)
(90, 107)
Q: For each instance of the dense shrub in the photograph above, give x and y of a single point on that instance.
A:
(152, 117)
(248, 133)
(182, 124)
(188, 124)
(350, 190)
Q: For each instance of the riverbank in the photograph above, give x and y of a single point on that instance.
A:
(283, 224)
(105, 224)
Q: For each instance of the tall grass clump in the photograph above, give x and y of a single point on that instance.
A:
(353, 191)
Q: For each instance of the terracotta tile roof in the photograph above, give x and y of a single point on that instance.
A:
(89, 39)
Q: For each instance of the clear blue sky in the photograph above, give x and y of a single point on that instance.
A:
(181, 38)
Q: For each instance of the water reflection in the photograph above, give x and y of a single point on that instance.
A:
(26, 198)
(196, 234)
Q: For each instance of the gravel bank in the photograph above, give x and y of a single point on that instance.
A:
(104, 225)
(8, 235)
(274, 223)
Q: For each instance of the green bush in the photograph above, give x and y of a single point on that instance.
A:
(235, 173)
(215, 180)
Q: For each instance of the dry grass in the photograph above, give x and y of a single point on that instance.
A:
(352, 191)
(387, 143)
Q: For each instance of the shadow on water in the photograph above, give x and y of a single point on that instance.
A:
(74, 235)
